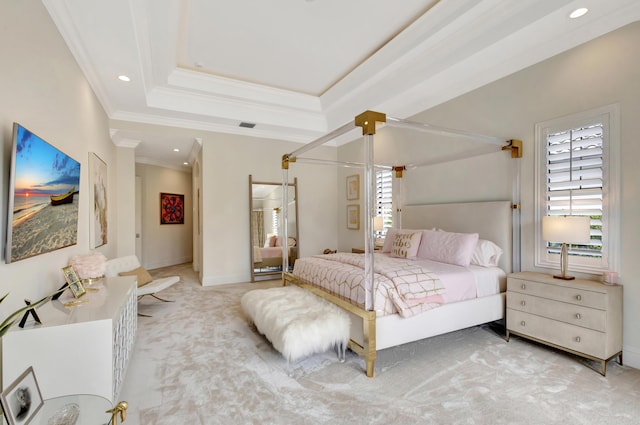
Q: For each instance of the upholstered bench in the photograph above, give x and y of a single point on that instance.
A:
(297, 322)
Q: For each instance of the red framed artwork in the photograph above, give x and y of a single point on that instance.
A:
(171, 208)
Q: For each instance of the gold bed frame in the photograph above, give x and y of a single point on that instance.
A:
(367, 349)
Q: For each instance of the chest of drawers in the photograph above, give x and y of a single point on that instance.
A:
(582, 317)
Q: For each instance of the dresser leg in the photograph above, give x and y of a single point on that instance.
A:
(603, 367)
(620, 358)
(507, 335)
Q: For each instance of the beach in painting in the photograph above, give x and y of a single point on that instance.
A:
(39, 227)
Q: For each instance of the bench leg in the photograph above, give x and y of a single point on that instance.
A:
(341, 350)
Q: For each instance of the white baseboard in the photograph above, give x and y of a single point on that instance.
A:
(165, 262)
(223, 280)
(631, 356)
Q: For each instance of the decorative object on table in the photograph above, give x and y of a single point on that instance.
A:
(609, 278)
(98, 192)
(353, 187)
(566, 230)
(89, 267)
(43, 211)
(11, 319)
(353, 217)
(120, 408)
(75, 285)
(22, 399)
(66, 415)
(30, 312)
(171, 208)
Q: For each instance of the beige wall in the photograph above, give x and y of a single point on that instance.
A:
(42, 87)
(602, 72)
(227, 161)
(164, 244)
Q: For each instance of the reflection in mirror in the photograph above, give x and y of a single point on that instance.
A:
(266, 228)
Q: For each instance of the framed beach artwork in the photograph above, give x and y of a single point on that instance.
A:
(171, 208)
(353, 217)
(22, 399)
(353, 187)
(98, 193)
(43, 197)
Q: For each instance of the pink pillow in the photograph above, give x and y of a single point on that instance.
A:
(391, 233)
(272, 241)
(448, 247)
(405, 245)
(278, 241)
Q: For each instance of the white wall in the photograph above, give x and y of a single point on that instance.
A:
(165, 244)
(601, 72)
(227, 161)
(42, 87)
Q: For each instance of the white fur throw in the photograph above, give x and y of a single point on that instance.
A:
(297, 322)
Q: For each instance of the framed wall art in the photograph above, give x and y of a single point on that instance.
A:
(98, 193)
(171, 208)
(22, 399)
(353, 187)
(353, 217)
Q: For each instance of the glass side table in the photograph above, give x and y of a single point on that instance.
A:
(88, 409)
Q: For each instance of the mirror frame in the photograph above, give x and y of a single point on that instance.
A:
(252, 232)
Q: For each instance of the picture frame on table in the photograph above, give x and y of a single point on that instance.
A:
(75, 285)
(22, 400)
(353, 187)
(353, 217)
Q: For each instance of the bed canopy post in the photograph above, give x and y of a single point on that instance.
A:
(397, 195)
(515, 146)
(285, 212)
(367, 120)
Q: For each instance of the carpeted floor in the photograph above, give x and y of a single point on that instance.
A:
(197, 361)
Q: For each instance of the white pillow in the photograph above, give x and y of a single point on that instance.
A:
(448, 247)
(391, 233)
(486, 254)
(405, 245)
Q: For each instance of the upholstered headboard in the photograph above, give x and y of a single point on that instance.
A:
(491, 220)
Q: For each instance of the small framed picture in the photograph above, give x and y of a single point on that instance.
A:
(70, 274)
(353, 187)
(22, 399)
(353, 217)
(75, 285)
(77, 289)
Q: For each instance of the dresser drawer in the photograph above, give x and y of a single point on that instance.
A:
(567, 294)
(582, 340)
(569, 313)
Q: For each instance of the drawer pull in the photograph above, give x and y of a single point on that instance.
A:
(522, 323)
(522, 303)
(579, 297)
(577, 339)
(578, 316)
(523, 286)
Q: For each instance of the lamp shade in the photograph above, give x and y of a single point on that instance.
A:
(566, 229)
(377, 223)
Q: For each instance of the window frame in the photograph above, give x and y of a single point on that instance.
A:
(610, 117)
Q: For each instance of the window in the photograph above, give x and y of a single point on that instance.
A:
(384, 192)
(577, 174)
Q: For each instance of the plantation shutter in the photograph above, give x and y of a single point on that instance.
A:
(384, 192)
(574, 184)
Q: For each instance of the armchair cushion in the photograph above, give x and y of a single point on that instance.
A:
(141, 273)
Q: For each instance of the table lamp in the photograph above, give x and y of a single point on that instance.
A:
(566, 230)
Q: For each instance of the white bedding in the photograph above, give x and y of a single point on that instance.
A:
(425, 284)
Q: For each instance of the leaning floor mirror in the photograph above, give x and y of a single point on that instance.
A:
(266, 228)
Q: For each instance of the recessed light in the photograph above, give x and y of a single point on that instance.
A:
(124, 78)
(185, 163)
(176, 150)
(578, 13)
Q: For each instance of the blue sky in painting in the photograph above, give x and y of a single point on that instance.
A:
(41, 169)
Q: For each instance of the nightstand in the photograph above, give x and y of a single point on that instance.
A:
(579, 316)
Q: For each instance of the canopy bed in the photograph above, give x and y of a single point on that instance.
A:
(394, 300)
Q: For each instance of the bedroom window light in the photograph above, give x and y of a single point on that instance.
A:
(384, 192)
(577, 163)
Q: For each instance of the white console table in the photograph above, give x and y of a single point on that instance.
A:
(82, 349)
